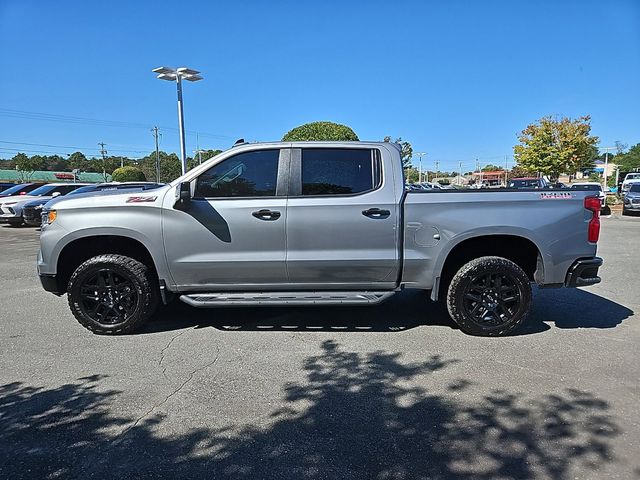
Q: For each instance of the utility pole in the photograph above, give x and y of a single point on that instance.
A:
(459, 173)
(420, 155)
(606, 165)
(506, 169)
(437, 162)
(479, 171)
(198, 148)
(103, 152)
(154, 131)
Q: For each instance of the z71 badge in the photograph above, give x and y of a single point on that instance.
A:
(555, 196)
(141, 199)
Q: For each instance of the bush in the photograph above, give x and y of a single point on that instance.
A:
(320, 131)
(128, 174)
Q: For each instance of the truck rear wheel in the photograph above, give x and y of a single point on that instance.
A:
(489, 296)
(111, 294)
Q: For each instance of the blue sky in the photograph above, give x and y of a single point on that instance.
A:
(458, 79)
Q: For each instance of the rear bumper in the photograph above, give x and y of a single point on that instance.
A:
(583, 272)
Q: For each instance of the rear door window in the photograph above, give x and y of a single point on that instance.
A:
(339, 171)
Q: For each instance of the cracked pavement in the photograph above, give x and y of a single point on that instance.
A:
(323, 392)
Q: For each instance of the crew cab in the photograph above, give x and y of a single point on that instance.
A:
(314, 223)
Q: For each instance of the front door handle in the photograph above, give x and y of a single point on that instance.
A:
(376, 213)
(266, 214)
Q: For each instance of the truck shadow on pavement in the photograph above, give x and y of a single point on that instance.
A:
(566, 308)
(355, 416)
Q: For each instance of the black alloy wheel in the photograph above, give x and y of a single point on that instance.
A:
(489, 296)
(491, 299)
(108, 297)
(112, 294)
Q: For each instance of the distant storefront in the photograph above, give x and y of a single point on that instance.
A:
(489, 178)
(16, 176)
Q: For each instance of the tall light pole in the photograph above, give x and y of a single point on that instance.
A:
(177, 75)
(606, 165)
(420, 155)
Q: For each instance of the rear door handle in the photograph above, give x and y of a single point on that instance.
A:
(376, 213)
(266, 214)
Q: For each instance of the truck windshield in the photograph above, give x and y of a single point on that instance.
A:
(635, 188)
(591, 188)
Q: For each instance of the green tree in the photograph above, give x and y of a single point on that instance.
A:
(55, 163)
(628, 161)
(105, 165)
(412, 175)
(170, 167)
(207, 154)
(320, 131)
(551, 146)
(406, 150)
(78, 161)
(491, 168)
(128, 173)
(27, 165)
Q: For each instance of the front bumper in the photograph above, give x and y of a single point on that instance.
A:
(631, 205)
(50, 283)
(583, 272)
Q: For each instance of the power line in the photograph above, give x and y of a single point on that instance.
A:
(69, 147)
(6, 112)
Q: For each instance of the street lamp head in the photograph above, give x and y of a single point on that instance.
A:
(167, 76)
(162, 70)
(187, 71)
(192, 78)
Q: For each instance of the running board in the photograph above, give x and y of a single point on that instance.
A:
(227, 299)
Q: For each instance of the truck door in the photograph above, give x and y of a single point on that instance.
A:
(342, 219)
(231, 236)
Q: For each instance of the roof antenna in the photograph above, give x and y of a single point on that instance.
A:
(240, 141)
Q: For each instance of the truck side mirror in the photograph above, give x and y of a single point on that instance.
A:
(183, 195)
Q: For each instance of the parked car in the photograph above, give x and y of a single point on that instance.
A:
(431, 186)
(592, 187)
(32, 211)
(527, 182)
(631, 199)
(21, 189)
(629, 178)
(314, 223)
(11, 207)
(5, 186)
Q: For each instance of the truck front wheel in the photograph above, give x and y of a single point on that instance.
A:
(111, 294)
(489, 296)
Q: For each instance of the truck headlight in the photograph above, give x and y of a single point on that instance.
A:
(51, 216)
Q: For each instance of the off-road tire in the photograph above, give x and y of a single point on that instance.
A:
(462, 286)
(143, 284)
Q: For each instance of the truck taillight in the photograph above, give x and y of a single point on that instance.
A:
(593, 204)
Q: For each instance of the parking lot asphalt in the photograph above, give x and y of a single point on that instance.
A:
(389, 392)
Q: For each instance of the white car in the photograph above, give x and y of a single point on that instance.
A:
(595, 186)
(629, 178)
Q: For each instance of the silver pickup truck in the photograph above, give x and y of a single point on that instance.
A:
(314, 223)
